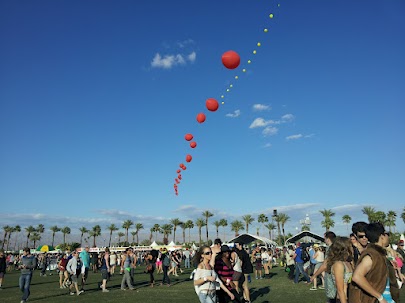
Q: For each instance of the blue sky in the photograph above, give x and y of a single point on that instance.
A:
(96, 97)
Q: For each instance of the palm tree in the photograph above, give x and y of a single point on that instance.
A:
(378, 216)
(346, 220)
(127, 225)
(151, 234)
(138, 227)
(83, 230)
(327, 223)
(17, 230)
(403, 214)
(7, 229)
(236, 226)
(391, 218)
(207, 214)
(167, 230)
(175, 222)
(277, 218)
(35, 237)
(133, 233)
(369, 212)
(40, 229)
(10, 231)
(183, 227)
(262, 218)
(327, 213)
(248, 220)
(200, 223)
(120, 235)
(156, 229)
(111, 228)
(30, 229)
(217, 224)
(283, 220)
(95, 232)
(224, 223)
(306, 227)
(54, 230)
(65, 231)
(270, 226)
(189, 224)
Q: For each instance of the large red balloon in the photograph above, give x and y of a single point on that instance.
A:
(200, 118)
(231, 59)
(212, 104)
(188, 137)
(189, 158)
(193, 144)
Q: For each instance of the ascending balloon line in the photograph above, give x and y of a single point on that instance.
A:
(201, 116)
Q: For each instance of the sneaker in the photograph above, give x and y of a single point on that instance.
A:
(321, 287)
(106, 290)
(123, 289)
(80, 292)
(72, 293)
(313, 288)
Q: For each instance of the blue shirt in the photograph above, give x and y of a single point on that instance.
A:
(311, 255)
(298, 251)
(85, 258)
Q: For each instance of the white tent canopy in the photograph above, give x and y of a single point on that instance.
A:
(171, 244)
(154, 244)
(248, 238)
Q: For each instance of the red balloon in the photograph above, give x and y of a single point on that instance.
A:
(183, 167)
(200, 118)
(193, 144)
(177, 193)
(178, 171)
(188, 137)
(212, 104)
(175, 186)
(179, 176)
(189, 158)
(177, 181)
(230, 59)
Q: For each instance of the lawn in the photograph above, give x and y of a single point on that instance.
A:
(46, 289)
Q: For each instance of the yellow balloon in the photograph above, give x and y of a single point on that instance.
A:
(244, 70)
(271, 16)
(278, 5)
(249, 61)
(231, 85)
(227, 89)
(223, 102)
(259, 44)
(222, 96)
(236, 77)
(266, 30)
(254, 52)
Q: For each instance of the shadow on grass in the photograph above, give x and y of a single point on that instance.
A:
(256, 293)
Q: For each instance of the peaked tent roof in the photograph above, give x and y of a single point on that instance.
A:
(172, 244)
(248, 238)
(309, 237)
(154, 244)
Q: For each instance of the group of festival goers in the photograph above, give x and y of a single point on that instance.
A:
(362, 268)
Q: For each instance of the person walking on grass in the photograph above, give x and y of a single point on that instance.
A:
(72, 268)
(27, 264)
(126, 262)
(85, 258)
(165, 264)
(3, 267)
(299, 265)
(105, 269)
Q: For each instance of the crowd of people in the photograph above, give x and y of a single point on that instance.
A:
(361, 268)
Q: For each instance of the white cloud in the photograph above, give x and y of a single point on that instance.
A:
(270, 131)
(260, 122)
(261, 107)
(287, 118)
(309, 136)
(267, 145)
(294, 137)
(235, 114)
(185, 43)
(191, 57)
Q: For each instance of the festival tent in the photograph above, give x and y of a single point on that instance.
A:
(305, 236)
(172, 244)
(154, 244)
(248, 238)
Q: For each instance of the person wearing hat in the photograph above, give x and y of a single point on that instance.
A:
(27, 264)
(223, 267)
(319, 257)
(165, 265)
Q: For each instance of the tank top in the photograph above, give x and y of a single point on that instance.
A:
(238, 264)
(127, 262)
(387, 292)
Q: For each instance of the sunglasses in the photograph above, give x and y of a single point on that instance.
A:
(361, 236)
(207, 253)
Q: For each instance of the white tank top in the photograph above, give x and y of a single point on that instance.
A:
(238, 264)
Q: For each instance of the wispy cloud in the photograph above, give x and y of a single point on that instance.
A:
(261, 107)
(294, 137)
(267, 145)
(185, 43)
(169, 61)
(235, 114)
(260, 122)
(270, 131)
(287, 118)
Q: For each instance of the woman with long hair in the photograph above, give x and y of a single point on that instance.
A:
(206, 279)
(339, 264)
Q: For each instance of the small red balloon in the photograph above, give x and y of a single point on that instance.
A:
(178, 171)
(193, 144)
(183, 167)
(189, 158)
(212, 104)
(230, 59)
(179, 177)
(200, 118)
(188, 137)
(175, 186)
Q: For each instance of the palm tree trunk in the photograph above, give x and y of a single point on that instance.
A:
(8, 240)
(64, 239)
(28, 237)
(94, 241)
(206, 229)
(217, 232)
(189, 237)
(53, 238)
(174, 236)
(137, 238)
(184, 235)
(199, 232)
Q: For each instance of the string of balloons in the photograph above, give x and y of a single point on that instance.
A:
(231, 60)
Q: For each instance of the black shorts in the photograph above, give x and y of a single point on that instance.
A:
(104, 274)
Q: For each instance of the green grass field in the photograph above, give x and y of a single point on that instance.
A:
(46, 289)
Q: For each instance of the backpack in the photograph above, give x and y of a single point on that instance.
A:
(305, 255)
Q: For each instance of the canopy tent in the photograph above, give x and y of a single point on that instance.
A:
(305, 236)
(248, 238)
(172, 244)
(154, 244)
